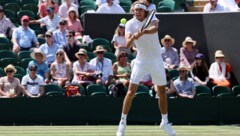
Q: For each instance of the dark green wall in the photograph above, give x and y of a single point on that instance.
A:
(107, 110)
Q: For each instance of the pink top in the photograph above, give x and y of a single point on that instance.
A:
(43, 9)
(76, 26)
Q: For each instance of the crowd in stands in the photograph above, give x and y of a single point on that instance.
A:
(62, 59)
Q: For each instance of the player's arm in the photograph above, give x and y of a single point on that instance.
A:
(153, 27)
(129, 40)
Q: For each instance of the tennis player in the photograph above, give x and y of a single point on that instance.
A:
(148, 61)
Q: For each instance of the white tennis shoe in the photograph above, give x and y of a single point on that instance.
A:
(167, 128)
(121, 129)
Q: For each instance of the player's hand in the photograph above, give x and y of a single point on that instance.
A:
(138, 34)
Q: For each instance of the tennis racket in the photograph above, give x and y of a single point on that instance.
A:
(148, 20)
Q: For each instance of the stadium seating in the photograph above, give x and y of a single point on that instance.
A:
(167, 5)
(110, 56)
(131, 57)
(2, 73)
(7, 54)
(203, 91)
(11, 15)
(90, 55)
(143, 91)
(221, 91)
(173, 73)
(21, 13)
(156, 2)
(20, 70)
(41, 41)
(4, 2)
(6, 61)
(53, 90)
(19, 76)
(23, 55)
(236, 90)
(30, 7)
(103, 42)
(24, 62)
(5, 44)
(13, 7)
(96, 90)
(178, 5)
(24, 2)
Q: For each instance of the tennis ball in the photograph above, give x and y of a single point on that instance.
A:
(123, 21)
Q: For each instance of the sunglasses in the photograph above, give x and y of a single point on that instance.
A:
(182, 71)
(124, 55)
(62, 23)
(33, 69)
(81, 54)
(69, 36)
(9, 71)
(59, 54)
(100, 52)
(48, 36)
(167, 40)
(25, 21)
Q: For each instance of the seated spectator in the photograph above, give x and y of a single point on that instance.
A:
(6, 26)
(49, 22)
(232, 5)
(73, 23)
(32, 84)
(110, 7)
(60, 35)
(39, 61)
(188, 52)
(220, 70)
(119, 41)
(100, 2)
(42, 10)
(60, 69)
(72, 1)
(103, 67)
(65, 7)
(9, 85)
(83, 71)
(169, 54)
(184, 85)
(49, 48)
(214, 6)
(23, 36)
(199, 70)
(71, 47)
(122, 69)
(151, 5)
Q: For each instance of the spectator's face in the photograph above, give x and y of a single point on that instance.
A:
(33, 70)
(121, 29)
(72, 14)
(140, 14)
(25, 23)
(9, 72)
(123, 57)
(62, 25)
(189, 45)
(82, 57)
(182, 73)
(70, 37)
(48, 38)
(60, 55)
(167, 43)
(38, 57)
(1, 14)
(199, 61)
(109, 1)
(220, 59)
(213, 2)
(100, 54)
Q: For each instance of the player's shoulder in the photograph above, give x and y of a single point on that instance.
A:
(131, 21)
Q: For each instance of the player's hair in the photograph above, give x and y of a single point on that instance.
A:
(143, 2)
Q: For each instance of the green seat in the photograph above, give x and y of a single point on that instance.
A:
(126, 8)
(6, 61)
(110, 56)
(23, 55)
(90, 55)
(24, 2)
(87, 3)
(4, 2)
(88, 48)
(156, 2)
(5, 44)
(41, 41)
(21, 13)
(13, 7)
(24, 62)
(143, 91)
(103, 42)
(53, 90)
(85, 8)
(220, 91)
(81, 90)
(19, 76)
(96, 90)
(178, 5)
(11, 15)
(7, 54)
(236, 90)
(2, 73)
(30, 7)
(131, 57)
(173, 73)
(166, 4)
(164, 9)
(20, 70)
(203, 91)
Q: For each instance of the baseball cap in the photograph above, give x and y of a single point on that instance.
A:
(50, 9)
(49, 33)
(199, 56)
(25, 17)
(32, 65)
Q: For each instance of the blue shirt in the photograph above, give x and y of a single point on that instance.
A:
(42, 68)
(24, 37)
(184, 87)
(60, 38)
(49, 52)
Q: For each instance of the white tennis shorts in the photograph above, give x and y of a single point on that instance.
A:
(156, 71)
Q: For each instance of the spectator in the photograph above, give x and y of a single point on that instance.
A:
(199, 70)
(43, 8)
(103, 66)
(83, 71)
(23, 36)
(232, 5)
(39, 61)
(188, 52)
(119, 41)
(72, 1)
(6, 26)
(49, 22)
(60, 69)
(73, 23)
(122, 69)
(220, 70)
(65, 7)
(71, 47)
(110, 7)
(32, 84)
(60, 35)
(101, 2)
(214, 6)
(184, 85)
(49, 48)
(9, 85)
(169, 54)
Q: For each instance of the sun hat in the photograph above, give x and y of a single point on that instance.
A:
(10, 66)
(219, 53)
(81, 51)
(99, 48)
(183, 67)
(37, 51)
(189, 40)
(168, 37)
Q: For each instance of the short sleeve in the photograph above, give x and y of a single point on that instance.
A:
(192, 84)
(41, 81)
(24, 81)
(128, 28)
(14, 35)
(1, 81)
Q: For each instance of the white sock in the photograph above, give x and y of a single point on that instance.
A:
(123, 118)
(165, 118)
